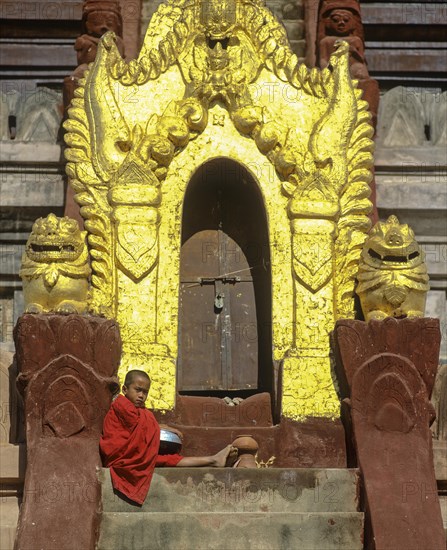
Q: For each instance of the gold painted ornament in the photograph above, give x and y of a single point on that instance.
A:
(393, 279)
(55, 267)
(219, 80)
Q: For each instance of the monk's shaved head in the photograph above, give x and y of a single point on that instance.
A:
(132, 375)
(136, 387)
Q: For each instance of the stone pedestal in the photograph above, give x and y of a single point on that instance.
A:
(67, 366)
(208, 424)
(390, 367)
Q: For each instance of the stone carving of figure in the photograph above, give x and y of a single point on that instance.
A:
(98, 17)
(341, 20)
(344, 24)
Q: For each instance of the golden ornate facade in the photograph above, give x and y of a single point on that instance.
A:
(218, 80)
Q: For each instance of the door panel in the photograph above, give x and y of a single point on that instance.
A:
(241, 337)
(201, 339)
(223, 223)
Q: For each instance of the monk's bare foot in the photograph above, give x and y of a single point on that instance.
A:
(232, 457)
(225, 457)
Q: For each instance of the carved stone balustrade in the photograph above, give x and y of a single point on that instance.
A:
(67, 366)
(390, 368)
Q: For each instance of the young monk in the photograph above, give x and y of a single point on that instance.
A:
(131, 439)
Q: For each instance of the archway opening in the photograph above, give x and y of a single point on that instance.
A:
(225, 329)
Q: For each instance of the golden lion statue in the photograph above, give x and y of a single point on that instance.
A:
(393, 280)
(55, 267)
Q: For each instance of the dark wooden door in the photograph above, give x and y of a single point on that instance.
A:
(219, 310)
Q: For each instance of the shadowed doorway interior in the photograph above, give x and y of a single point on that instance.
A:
(225, 343)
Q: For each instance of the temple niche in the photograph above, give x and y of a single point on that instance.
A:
(310, 161)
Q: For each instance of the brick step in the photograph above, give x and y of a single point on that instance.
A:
(242, 490)
(231, 531)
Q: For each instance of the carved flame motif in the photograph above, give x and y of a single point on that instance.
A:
(138, 131)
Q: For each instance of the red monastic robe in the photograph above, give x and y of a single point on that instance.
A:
(129, 447)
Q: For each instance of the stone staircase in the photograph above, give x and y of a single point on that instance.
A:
(239, 509)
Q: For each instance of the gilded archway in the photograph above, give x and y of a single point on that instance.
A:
(217, 78)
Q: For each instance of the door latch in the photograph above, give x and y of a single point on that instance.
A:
(218, 301)
(218, 296)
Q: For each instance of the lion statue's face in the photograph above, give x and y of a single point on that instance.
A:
(392, 245)
(55, 239)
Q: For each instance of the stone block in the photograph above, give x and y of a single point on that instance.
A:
(443, 501)
(275, 6)
(287, 490)
(436, 259)
(294, 28)
(31, 188)
(311, 443)
(10, 258)
(293, 10)
(149, 7)
(438, 119)
(411, 192)
(9, 513)
(12, 463)
(436, 307)
(4, 114)
(223, 531)
(34, 152)
(401, 119)
(255, 410)
(6, 316)
(19, 304)
(6, 359)
(439, 400)
(7, 534)
(405, 110)
(37, 113)
(440, 462)
(419, 160)
(42, 11)
(419, 200)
